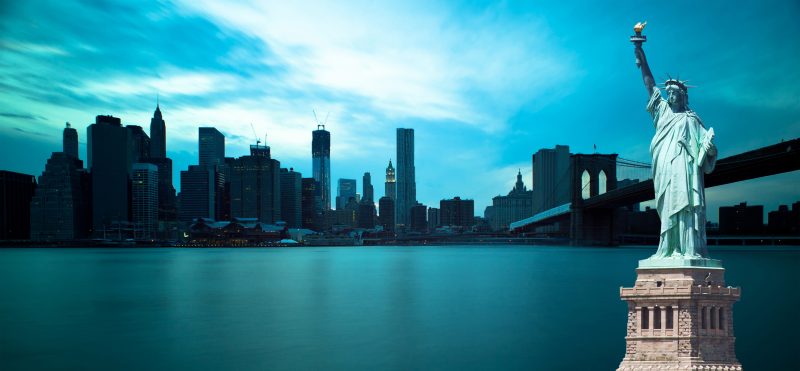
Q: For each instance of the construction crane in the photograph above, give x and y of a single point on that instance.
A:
(322, 124)
(258, 141)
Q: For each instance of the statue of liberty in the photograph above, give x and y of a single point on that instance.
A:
(683, 152)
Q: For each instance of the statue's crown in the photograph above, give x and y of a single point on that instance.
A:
(676, 82)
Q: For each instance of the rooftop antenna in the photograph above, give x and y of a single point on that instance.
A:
(258, 141)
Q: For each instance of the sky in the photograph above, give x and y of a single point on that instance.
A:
(483, 84)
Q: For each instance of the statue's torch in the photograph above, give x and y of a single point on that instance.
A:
(638, 38)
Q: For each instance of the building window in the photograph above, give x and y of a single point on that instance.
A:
(645, 318)
(657, 317)
(669, 317)
(703, 318)
(721, 318)
(713, 318)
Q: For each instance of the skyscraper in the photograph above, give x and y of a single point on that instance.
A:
(255, 186)
(291, 194)
(346, 191)
(140, 141)
(16, 192)
(321, 163)
(71, 141)
(109, 162)
(212, 147)
(201, 193)
(60, 208)
(391, 190)
(457, 212)
(144, 200)
(311, 204)
(406, 179)
(551, 180)
(366, 184)
(387, 214)
(158, 135)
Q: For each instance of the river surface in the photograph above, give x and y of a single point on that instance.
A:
(359, 308)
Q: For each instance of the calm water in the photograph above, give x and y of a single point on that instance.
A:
(401, 308)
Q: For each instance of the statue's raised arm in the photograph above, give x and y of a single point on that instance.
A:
(641, 59)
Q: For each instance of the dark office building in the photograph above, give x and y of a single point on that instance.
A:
(433, 219)
(785, 221)
(369, 195)
(457, 212)
(167, 204)
(346, 190)
(321, 163)
(255, 186)
(406, 175)
(291, 198)
(212, 147)
(140, 152)
(158, 135)
(386, 218)
(741, 219)
(144, 200)
(60, 208)
(418, 218)
(109, 162)
(16, 192)
(201, 194)
(70, 141)
(366, 215)
(311, 204)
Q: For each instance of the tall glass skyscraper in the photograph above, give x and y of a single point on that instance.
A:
(406, 178)
(321, 157)
(212, 147)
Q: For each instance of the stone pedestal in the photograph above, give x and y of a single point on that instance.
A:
(680, 318)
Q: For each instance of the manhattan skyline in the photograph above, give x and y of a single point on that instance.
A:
(483, 86)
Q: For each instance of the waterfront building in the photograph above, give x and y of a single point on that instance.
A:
(418, 221)
(784, 220)
(551, 178)
(16, 192)
(200, 189)
(391, 182)
(517, 205)
(457, 212)
(144, 200)
(346, 191)
(109, 152)
(406, 178)
(211, 145)
(158, 135)
(387, 214)
(741, 219)
(70, 141)
(60, 207)
(321, 163)
(366, 184)
(366, 215)
(311, 204)
(433, 219)
(255, 186)
(291, 195)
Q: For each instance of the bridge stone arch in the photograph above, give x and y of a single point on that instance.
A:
(594, 165)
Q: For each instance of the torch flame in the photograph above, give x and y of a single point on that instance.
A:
(639, 27)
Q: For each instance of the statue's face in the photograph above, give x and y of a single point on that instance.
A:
(676, 98)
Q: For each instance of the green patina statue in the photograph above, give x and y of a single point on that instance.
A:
(683, 151)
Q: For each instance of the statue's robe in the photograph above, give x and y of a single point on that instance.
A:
(678, 179)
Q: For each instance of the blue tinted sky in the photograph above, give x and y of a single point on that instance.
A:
(484, 85)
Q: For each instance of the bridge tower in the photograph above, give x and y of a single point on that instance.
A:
(592, 175)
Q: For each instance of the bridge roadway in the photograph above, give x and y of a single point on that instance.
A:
(775, 159)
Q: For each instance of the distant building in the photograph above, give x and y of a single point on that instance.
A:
(366, 215)
(366, 184)
(785, 221)
(167, 202)
(311, 204)
(211, 147)
(433, 219)
(70, 141)
(391, 182)
(291, 197)
(741, 219)
(60, 207)
(406, 175)
(517, 205)
(255, 186)
(346, 190)
(16, 192)
(144, 200)
(457, 212)
(201, 188)
(418, 218)
(386, 208)
(109, 162)
(140, 141)
(551, 178)
(321, 163)
(158, 135)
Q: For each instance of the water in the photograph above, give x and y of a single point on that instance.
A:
(396, 308)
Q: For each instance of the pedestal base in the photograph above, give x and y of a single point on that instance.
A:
(680, 318)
